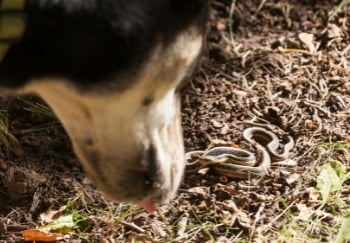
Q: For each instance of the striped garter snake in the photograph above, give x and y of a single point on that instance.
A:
(239, 163)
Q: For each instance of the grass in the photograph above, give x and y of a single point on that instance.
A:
(203, 226)
(330, 214)
(231, 22)
(43, 110)
(7, 139)
(37, 108)
(328, 220)
(332, 14)
(119, 216)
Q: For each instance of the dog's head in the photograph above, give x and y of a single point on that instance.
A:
(111, 70)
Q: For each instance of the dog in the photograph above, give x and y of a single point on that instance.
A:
(111, 70)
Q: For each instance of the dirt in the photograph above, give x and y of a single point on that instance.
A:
(266, 72)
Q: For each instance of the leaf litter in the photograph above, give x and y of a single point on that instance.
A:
(288, 69)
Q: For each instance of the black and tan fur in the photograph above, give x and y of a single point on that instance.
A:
(110, 69)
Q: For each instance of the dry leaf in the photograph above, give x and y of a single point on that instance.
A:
(292, 178)
(287, 162)
(3, 165)
(244, 219)
(182, 224)
(225, 129)
(347, 140)
(304, 212)
(51, 215)
(37, 235)
(229, 189)
(314, 194)
(229, 205)
(216, 123)
(307, 39)
(333, 31)
(202, 190)
(310, 125)
(220, 25)
(228, 218)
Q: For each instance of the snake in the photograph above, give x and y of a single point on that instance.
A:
(239, 163)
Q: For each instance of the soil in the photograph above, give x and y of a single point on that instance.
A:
(267, 71)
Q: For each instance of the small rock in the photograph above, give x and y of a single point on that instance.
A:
(21, 182)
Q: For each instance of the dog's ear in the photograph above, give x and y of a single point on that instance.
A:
(189, 7)
(186, 12)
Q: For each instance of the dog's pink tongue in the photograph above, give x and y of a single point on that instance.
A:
(149, 205)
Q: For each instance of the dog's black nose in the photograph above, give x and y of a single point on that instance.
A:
(151, 165)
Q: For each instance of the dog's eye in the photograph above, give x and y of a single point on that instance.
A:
(147, 100)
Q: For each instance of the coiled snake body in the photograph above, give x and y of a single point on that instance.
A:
(239, 163)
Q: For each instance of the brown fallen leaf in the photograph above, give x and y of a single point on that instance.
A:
(3, 165)
(37, 235)
(292, 178)
(221, 25)
(201, 190)
(347, 140)
(333, 31)
(229, 189)
(244, 220)
(228, 218)
(305, 212)
(310, 125)
(216, 123)
(307, 39)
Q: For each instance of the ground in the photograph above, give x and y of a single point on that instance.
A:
(285, 65)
